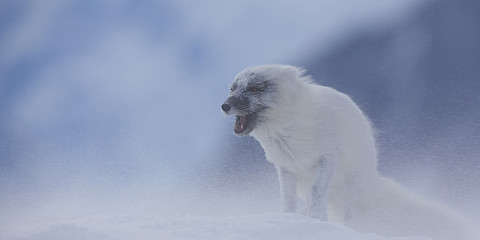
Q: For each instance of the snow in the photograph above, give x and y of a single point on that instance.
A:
(276, 226)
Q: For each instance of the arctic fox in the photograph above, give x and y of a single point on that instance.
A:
(323, 148)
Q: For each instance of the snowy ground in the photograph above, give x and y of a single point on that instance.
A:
(263, 227)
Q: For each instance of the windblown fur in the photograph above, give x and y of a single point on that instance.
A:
(323, 147)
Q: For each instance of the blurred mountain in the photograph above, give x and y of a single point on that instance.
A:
(417, 81)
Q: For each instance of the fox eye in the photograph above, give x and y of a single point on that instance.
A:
(253, 89)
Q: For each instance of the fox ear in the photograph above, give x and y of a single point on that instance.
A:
(233, 87)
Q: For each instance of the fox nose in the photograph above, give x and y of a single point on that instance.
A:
(226, 107)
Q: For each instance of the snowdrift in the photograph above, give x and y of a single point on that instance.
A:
(275, 226)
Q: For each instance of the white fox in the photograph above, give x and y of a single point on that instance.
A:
(324, 150)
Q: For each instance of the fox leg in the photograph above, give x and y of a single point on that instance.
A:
(317, 203)
(288, 190)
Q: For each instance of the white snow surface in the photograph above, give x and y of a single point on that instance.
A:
(276, 226)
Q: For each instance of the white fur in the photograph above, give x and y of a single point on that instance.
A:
(324, 150)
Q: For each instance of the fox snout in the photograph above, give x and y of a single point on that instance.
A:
(234, 104)
(226, 107)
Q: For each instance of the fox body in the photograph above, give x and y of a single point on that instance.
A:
(324, 150)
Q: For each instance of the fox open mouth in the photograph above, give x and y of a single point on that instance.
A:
(240, 124)
(244, 124)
